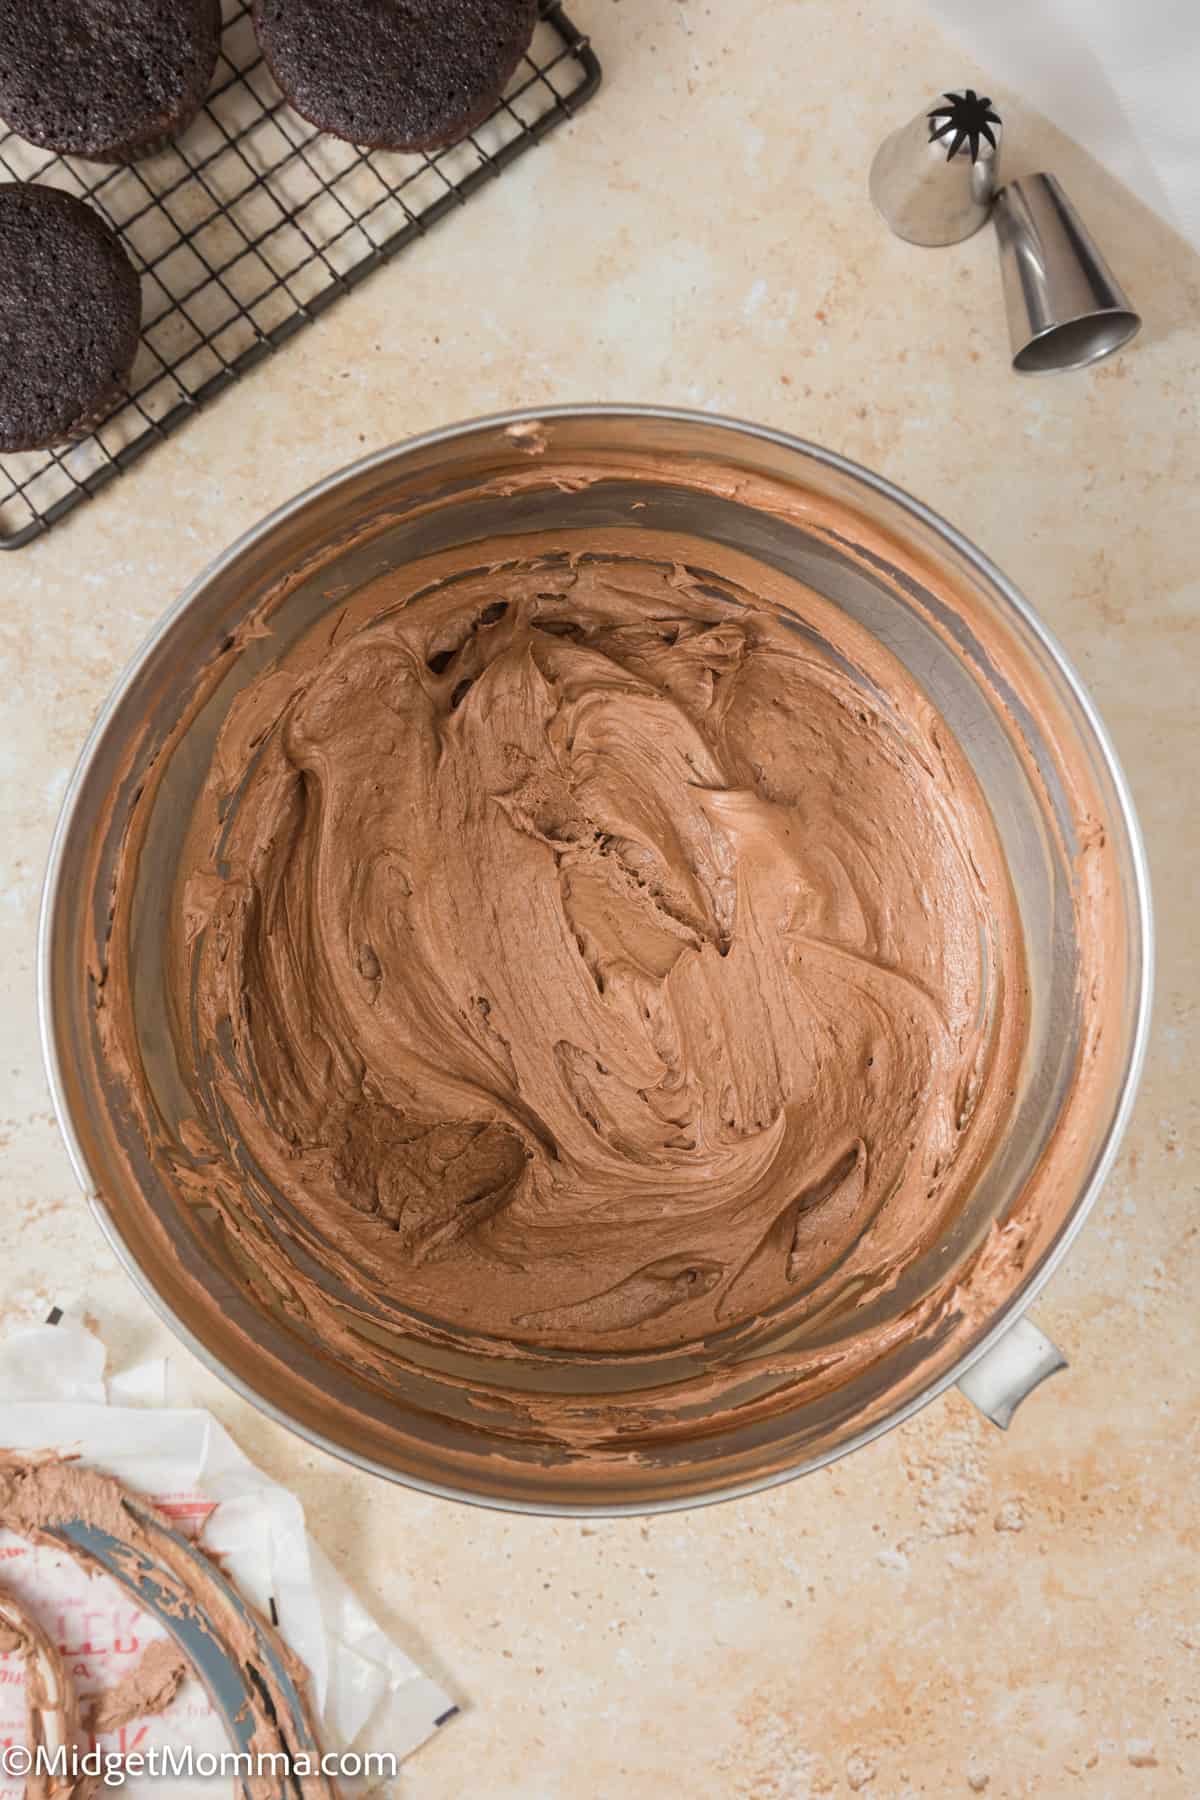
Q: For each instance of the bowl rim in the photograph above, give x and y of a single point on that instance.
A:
(1141, 934)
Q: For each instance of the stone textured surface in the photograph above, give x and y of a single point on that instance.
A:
(951, 1610)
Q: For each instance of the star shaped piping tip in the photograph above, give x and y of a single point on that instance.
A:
(967, 118)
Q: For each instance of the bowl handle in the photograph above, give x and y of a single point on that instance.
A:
(1010, 1370)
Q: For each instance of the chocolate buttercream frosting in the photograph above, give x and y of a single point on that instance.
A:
(588, 949)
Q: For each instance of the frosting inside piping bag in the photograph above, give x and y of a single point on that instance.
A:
(580, 953)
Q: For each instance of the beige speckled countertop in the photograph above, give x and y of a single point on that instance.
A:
(951, 1610)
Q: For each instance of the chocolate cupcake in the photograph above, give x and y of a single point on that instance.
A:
(394, 74)
(70, 312)
(112, 81)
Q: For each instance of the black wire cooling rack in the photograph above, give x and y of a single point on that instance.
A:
(248, 228)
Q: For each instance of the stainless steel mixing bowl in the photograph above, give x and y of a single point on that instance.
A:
(1041, 755)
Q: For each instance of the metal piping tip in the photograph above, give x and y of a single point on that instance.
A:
(1065, 306)
(933, 180)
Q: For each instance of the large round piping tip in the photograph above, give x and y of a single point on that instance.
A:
(1065, 306)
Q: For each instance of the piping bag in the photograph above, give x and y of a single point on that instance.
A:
(365, 1692)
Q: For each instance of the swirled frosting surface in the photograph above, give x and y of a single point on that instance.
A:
(578, 951)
